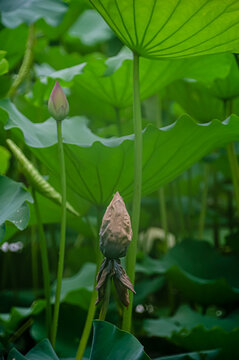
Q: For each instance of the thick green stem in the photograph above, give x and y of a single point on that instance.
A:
(63, 234)
(202, 216)
(45, 264)
(131, 256)
(26, 64)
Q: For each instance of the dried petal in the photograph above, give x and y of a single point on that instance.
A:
(121, 275)
(58, 105)
(115, 231)
(122, 292)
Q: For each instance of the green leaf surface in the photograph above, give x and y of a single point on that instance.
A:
(14, 49)
(15, 12)
(11, 320)
(71, 323)
(205, 355)
(90, 29)
(110, 80)
(199, 272)
(174, 28)
(227, 88)
(119, 345)
(3, 66)
(90, 159)
(5, 157)
(196, 100)
(41, 351)
(77, 289)
(194, 331)
(13, 206)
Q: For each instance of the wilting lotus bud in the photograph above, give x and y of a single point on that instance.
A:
(58, 105)
(115, 231)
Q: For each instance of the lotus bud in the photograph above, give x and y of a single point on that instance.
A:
(58, 105)
(115, 231)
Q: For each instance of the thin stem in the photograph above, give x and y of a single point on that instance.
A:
(232, 157)
(45, 264)
(92, 308)
(34, 251)
(180, 207)
(106, 300)
(202, 216)
(190, 204)
(26, 64)
(131, 256)
(21, 330)
(161, 191)
(63, 234)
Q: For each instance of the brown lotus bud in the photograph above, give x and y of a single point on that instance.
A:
(115, 231)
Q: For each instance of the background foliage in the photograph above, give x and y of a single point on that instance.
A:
(187, 287)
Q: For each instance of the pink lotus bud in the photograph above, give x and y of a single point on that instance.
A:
(58, 105)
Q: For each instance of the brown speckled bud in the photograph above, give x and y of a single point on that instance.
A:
(115, 231)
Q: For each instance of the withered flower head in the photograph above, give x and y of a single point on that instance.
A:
(115, 231)
(115, 237)
(112, 268)
(58, 105)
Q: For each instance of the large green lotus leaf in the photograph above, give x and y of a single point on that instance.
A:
(227, 88)
(41, 351)
(173, 28)
(5, 159)
(111, 343)
(14, 49)
(110, 80)
(194, 331)
(90, 29)
(199, 272)
(97, 167)
(15, 12)
(77, 289)
(3, 63)
(70, 327)
(10, 321)
(205, 355)
(13, 199)
(196, 100)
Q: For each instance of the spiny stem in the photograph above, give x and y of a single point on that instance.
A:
(202, 216)
(106, 300)
(26, 64)
(45, 264)
(131, 256)
(63, 234)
